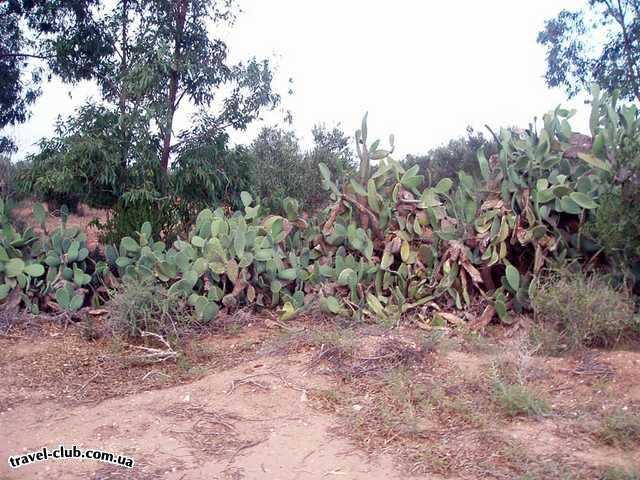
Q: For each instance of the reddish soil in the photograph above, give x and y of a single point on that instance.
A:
(24, 213)
(247, 406)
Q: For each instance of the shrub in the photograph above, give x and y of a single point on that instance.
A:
(147, 306)
(617, 473)
(621, 429)
(127, 216)
(284, 170)
(211, 174)
(459, 154)
(615, 227)
(517, 400)
(582, 311)
(7, 178)
(83, 162)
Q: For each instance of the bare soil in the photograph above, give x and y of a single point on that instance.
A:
(267, 403)
(85, 215)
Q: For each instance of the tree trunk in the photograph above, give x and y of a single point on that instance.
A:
(122, 103)
(632, 63)
(181, 16)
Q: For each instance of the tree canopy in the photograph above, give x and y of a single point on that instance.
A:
(38, 37)
(598, 44)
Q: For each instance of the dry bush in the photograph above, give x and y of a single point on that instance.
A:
(148, 306)
(573, 311)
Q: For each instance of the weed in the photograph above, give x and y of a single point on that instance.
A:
(517, 400)
(617, 473)
(580, 311)
(147, 306)
(621, 429)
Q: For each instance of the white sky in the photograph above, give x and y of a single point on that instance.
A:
(423, 69)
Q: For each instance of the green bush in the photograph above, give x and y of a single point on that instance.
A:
(211, 174)
(458, 154)
(622, 429)
(573, 310)
(147, 306)
(617, 473)
(518, 400)
(127, 216)
(7, 178)
(284, 170)
(83, 162)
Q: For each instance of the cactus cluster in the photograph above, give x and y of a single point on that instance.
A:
(390, 244)
(227, 260)
(50, 271)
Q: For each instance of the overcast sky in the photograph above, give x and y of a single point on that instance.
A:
(424, 70)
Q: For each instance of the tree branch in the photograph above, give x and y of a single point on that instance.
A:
(26, 55)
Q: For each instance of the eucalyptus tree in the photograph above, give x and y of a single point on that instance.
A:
(166, 56)
(40, 37)
(600, 44)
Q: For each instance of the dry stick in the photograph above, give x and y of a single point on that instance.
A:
(246, 446)
(241, 381)
(156, 354)
(87, 383)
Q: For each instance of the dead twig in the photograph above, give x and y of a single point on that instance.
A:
(155, 354)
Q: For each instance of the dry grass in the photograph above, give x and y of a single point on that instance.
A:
(621, 429)
(573, 311)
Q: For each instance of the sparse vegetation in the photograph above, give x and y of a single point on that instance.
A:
(621, 429)
(147, 307)
(516, 400)
(617, 473)
(573, 311)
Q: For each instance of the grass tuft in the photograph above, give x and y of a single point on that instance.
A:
(573, 311)
(621, 429)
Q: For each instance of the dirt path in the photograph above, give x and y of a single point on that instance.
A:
(250, 406)
(250, 422)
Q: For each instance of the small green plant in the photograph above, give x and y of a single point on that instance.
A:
(617, 473)
(621, 429)
(580, 311)
(517, 400)
(147, 306)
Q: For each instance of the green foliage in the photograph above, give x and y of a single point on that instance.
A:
(226, 261)
(67, 41)
(582, 311)
(596, 44)
(391, 244)
(459, 154)
(127, 216)
(147, 306)
(617, 473)
(616, 228)
(47, 269)
(518, 400)
(284, 170)
(81, 163)
(7, 178)
(615, 152)
(211, 174)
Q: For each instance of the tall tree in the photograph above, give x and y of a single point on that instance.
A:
(598, 44)
(165, 56)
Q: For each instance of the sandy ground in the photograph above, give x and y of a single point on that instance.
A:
(251, 421)
(234, 412)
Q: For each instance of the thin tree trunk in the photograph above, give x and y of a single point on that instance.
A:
(122, 103)
(181, 15)
(632, 64)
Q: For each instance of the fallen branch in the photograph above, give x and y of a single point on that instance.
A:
(155, 354)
